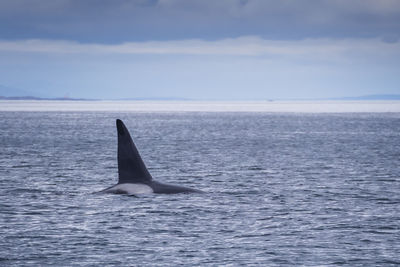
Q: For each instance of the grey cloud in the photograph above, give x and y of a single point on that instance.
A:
(118, 21)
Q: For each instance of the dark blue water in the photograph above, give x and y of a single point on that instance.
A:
(282, 190)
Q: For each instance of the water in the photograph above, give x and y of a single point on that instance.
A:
(283, 189)
(384, 106)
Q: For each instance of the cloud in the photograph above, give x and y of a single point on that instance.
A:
(308, 49)
(130, 21)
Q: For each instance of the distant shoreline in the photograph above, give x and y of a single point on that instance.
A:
(44, 98)
(386, 97)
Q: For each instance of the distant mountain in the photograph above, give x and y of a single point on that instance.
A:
(42, 98)
(7, 91)
(370, 97)
(154, 99)
(10, 93)
(90, 99)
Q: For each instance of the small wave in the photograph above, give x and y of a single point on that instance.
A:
(22, 166)
(27, 190)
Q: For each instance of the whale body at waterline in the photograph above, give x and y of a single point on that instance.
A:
(133, 176)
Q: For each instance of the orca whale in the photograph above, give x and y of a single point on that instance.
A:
(133, 176)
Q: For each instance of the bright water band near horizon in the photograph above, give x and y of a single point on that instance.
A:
(204, 106)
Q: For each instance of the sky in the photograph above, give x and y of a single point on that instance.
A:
(200, 49)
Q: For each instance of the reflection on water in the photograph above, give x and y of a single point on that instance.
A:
(215, 106)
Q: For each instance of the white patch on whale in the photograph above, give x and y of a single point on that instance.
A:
(130, 189)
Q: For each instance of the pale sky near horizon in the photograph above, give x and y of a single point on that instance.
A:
(200, 49)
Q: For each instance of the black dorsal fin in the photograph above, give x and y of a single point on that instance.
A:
(131, 168)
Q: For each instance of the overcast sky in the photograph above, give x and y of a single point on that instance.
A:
(233, 50)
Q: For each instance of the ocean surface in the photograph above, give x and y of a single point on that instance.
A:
(282, 189)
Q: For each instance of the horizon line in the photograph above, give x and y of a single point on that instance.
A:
(371, 97)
